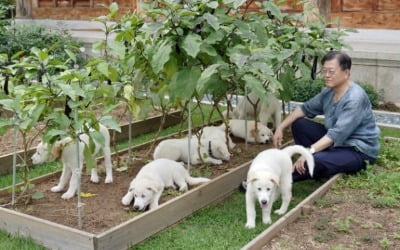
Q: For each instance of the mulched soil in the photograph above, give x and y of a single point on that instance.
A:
(104, 210)
(349, 220)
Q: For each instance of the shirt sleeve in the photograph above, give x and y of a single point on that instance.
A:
(348, 121)
(314, 106)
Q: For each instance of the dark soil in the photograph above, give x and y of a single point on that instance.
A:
(389, 106)
(104, 210)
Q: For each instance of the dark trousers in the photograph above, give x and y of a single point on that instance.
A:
(330, 161)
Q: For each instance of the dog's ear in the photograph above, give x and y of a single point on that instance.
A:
(253, 133)
(57, 150)
(275, 179)
(251, 177)
(154, 186)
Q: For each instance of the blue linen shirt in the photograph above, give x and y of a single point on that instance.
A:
(349, 121)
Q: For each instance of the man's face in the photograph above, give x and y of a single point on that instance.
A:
(333, 75)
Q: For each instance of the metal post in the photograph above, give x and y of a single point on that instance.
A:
(189, 135)
(14, 164)
(78, 173)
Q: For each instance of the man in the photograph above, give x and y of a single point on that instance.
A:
(349, 136)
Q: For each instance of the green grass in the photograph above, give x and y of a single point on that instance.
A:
(220, 226)
(9, 242)
(382, 180)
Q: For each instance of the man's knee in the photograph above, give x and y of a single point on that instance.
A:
(298, 125)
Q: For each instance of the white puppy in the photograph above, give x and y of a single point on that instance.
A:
(269, 175)
(66, 149)
(212, 151)
(216, 133)
(146, 188)
(266, 109)
(238, 129)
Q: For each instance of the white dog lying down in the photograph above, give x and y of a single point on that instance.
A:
(212, 151)
(151, 180)
(238, 129)
(266, 109)
(216, 133)
(66, 148)
(269, 175)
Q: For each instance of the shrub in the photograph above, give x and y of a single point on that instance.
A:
(373, 95)
(24, 37)
(304, 90)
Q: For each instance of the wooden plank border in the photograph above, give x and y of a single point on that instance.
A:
(172, 211)
(263, 238)
(138, 128)
(47, 233)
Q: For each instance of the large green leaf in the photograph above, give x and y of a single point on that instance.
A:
(161, 56)
(184, 83)
(111, 123)
(191, 44)
(97, 137)
(89, 159)
(205, 76)
(212, 20)
(103, 68)
(118, 48)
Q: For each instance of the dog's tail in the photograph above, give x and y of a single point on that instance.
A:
(195, 180)
(297, 149)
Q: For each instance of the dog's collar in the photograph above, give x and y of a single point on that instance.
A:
(210, 153)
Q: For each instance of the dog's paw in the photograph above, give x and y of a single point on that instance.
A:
(280, 211)
(218, 162)
(267, 220)
(109, 179)
(250, 225)
(67, 195)
(126, 201)
(94, 179)
(56, 189)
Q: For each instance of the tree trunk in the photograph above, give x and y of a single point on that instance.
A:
(24, 9)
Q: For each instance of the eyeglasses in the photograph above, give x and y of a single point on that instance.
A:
(329, 72)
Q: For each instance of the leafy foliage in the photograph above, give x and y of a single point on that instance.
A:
(21, 38)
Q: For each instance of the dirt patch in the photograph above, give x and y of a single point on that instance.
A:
(342, 220)
(104, 210)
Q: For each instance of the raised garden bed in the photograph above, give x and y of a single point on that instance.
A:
(120, 231)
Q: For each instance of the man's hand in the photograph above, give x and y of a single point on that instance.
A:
(278, 137)
(299, 165)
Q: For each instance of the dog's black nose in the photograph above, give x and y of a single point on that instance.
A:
(264, 202)
(136, 207)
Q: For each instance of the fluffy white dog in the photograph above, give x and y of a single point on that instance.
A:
(212, 151)
(146, 188)
(267, 109)
(66, 149)
(214, 133)
(269, 175)
(238, 129)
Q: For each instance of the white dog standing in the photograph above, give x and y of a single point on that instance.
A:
(66, 149)
(212, 151)
(238, 129)
(146, 188)
(266, 109)
(269, 175)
